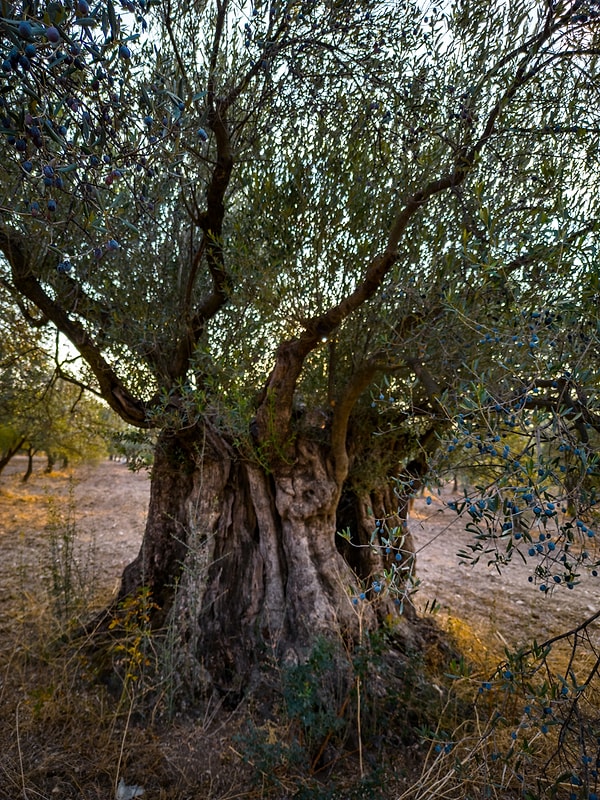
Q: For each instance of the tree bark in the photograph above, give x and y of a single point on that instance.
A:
(163, 551)
(242, 561)
(378, 540)
(29, 470)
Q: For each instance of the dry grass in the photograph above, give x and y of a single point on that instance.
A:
(66, 734)
(446, 722)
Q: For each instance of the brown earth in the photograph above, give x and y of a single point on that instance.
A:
(106, 505)
(504, 609)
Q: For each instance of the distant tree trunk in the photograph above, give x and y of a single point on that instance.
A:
(253, 556)
(50, 462)
(29, 470)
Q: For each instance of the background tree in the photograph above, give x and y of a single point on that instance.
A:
(24, 377)
(39, 411)
(282, 238)
(69, 426)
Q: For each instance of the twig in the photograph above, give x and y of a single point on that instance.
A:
(19, 750)
(358, 728)
(573, 632)
(122, 748)
(327, 738)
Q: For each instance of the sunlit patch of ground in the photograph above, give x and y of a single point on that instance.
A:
(105, 503)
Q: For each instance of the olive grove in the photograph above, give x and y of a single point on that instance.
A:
(313, 245)
(41, 413)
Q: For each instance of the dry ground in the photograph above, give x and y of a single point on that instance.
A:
(108, 503)
(503, 608)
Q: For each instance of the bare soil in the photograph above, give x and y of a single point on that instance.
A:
(502, 608)
(105, 503)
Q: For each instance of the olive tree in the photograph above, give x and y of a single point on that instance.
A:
(40, 412)
(275, 233)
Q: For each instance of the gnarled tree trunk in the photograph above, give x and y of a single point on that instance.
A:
(243, 562)
(10, 453)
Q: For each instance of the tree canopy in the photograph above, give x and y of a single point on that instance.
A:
(252, 174)
(23, 374)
